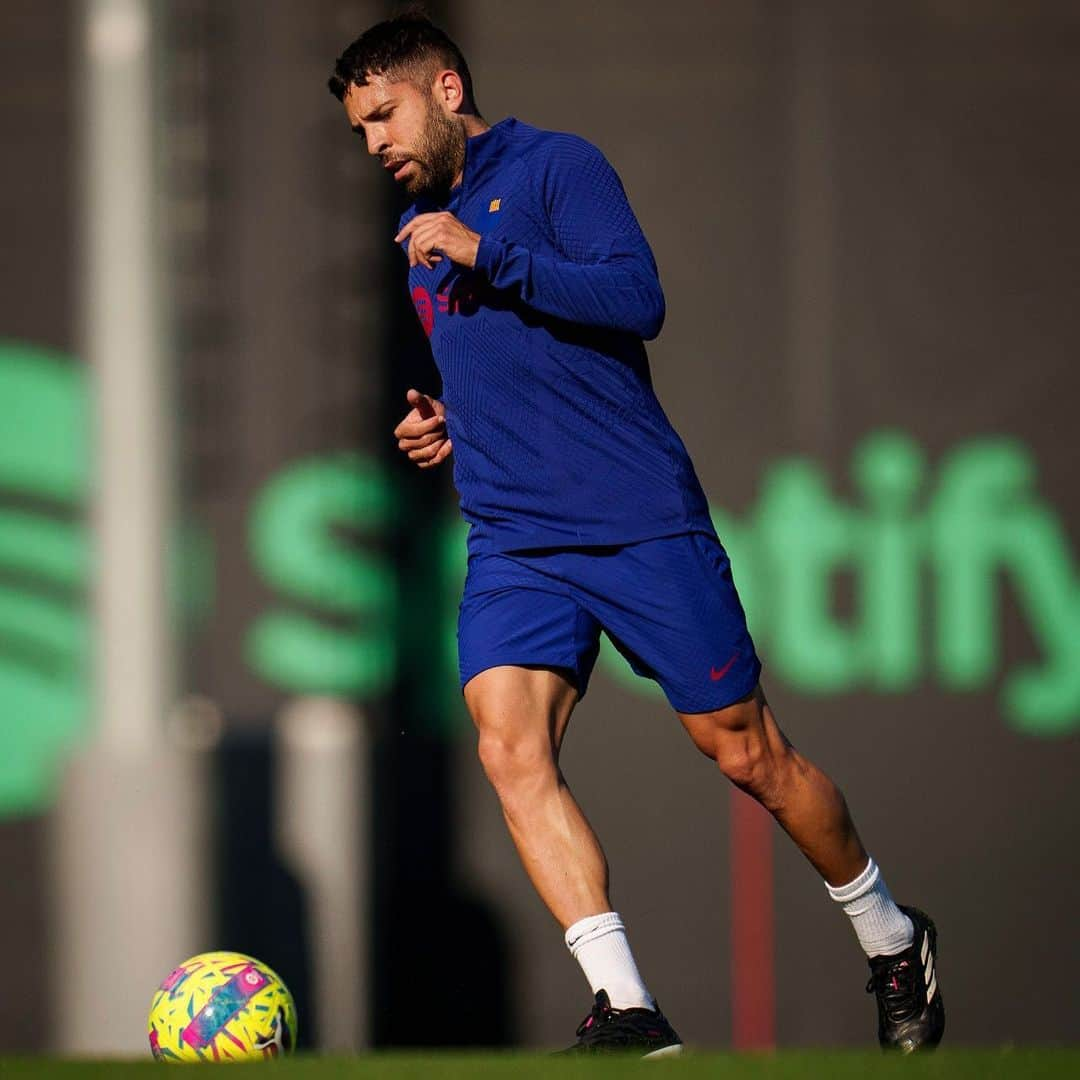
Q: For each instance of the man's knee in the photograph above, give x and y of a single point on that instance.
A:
(748, 763)
(520, 715)
(736, 739)
(512, 759)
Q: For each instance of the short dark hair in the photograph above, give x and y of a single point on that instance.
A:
(410, 45)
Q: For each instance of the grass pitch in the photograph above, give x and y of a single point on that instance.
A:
(785, 1065)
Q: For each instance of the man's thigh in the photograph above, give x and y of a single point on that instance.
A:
(518, 704)
(514, 615)
(671, 608)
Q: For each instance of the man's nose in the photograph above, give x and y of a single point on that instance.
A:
(377, 142)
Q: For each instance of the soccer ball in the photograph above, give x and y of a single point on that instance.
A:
(222, 1006)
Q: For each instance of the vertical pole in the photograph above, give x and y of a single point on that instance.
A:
(126, 831)
(125, 344)
(753, 990)
(322, 831)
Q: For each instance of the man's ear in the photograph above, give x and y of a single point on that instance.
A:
(449, 90)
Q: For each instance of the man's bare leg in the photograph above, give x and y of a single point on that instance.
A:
(751, 750)
(521, 715)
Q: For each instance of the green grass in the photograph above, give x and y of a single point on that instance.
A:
(785, 1065)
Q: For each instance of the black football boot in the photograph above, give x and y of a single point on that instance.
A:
(911, 1014)
(607, 1029)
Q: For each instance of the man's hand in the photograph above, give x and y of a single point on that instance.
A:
(422, 433)
(431, 236)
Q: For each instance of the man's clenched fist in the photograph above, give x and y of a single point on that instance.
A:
(431, 236)
(422, 433)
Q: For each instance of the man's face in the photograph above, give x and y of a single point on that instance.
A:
(419, 140)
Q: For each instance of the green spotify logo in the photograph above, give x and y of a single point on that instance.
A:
(301, 529)
(923, 557)
(44, 566)
(928, 556)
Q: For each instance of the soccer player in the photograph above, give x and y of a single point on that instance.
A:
(536, 287)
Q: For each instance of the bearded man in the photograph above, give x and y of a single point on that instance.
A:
(536, 287)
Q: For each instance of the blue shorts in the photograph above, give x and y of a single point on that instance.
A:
(668, 605)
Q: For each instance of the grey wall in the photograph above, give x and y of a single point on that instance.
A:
(865, 222)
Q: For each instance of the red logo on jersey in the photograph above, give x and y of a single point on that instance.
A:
(463, 297)
(421, 299)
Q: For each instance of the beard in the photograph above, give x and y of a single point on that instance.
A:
(439, 154)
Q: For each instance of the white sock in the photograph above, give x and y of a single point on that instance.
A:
(598, 943)
(881, 927)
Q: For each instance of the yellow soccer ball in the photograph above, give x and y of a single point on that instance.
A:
(222, 1006)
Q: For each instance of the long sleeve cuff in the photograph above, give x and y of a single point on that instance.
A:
(489, 256)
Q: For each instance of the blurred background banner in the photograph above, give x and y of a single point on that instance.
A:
(867, 229)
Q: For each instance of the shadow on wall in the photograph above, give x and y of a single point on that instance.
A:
(430, 933)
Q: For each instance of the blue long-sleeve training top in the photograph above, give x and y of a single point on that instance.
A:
(559, 439)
